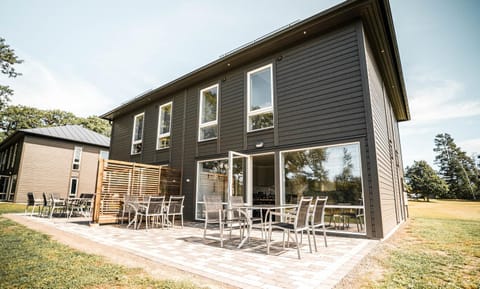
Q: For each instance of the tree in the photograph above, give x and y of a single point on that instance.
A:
(7, 60)
(456, 168)
(422, 179)
(17, 117)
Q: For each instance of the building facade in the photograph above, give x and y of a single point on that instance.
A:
(312, 109)
(60, 160)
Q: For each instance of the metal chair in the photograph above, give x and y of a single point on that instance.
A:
(152, 211)
(31, 202)
(127, 208)
(175, 208)
(57, 204)
(317, 219)
(299, 224)
(214, 214)
(46, 205)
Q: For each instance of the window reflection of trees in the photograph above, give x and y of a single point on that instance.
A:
(331, 172)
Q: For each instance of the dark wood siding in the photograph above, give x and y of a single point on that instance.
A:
(319, 90)
(190, 151)
(121, 138)
(386, 148)
(232, 121)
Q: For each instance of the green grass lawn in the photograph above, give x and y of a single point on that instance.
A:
(439, 248)
(29, 259)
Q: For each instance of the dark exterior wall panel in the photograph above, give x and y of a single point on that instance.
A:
(384, 124)
(121, 138)
(232, 121)
(319, 90)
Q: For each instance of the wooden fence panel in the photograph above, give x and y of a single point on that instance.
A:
(116, 179)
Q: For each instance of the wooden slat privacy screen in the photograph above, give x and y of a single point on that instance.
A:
(116, 179)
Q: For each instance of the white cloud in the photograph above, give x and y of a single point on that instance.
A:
(440, 100)
(43, 88)
(470, 146)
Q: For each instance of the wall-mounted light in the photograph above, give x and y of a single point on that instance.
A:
(259, 144)
(187, 180)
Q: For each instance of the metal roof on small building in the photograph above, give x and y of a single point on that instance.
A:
(74, 133)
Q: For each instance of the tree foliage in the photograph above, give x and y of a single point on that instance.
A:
(7, 60)
(422, 179)
(17, 117)
(456, 168)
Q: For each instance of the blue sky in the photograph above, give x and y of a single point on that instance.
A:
(89, 56)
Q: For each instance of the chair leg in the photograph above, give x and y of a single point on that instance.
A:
(205, 229)
(314, 239)
(181, 217)
(298, 245)
(309, 243)
(325, 235)
(221, 234)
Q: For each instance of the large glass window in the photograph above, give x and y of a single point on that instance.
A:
(260, 98)
(212, 178)
(164, 126)
(137, 135)
(333, 171)
(207, 128)
(77, 156)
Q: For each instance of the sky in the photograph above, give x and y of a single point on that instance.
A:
(88, 57)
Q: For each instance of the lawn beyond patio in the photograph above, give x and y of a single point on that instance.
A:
(438, 248)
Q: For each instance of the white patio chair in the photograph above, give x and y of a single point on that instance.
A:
(299, 224)
(317, 219)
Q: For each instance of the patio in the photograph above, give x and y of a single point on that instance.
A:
(248, 267)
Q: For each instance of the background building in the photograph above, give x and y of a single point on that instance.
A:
(61, 160)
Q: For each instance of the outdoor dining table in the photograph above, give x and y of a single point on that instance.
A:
(265, 207)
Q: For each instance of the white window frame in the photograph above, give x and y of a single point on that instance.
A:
(70, 187)
(261, 110)
(135, 142)
(281, 167)
(160, 119)
(75, 149)
(200, 114)
(12, 164)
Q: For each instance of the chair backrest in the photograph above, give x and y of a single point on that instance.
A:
(156, 204)
(86, 196)
(303, 210)
(213, 204)
(318, 213)
(175, 204)
(237, 201)
(45, 200)
(31, 199)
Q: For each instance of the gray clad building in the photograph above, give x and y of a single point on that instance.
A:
(312, 109)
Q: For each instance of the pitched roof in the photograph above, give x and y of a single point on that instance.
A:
(74, 133)
(377, 22)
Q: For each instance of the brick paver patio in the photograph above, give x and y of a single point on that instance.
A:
(248, 267)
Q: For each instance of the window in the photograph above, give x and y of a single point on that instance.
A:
(334, 171)
(260, 98)
(73, 187)
(212, 178)
(77, 155)
(104, 155)
(207, 128)
(137, 135)
(164, 126)
(12, 164)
